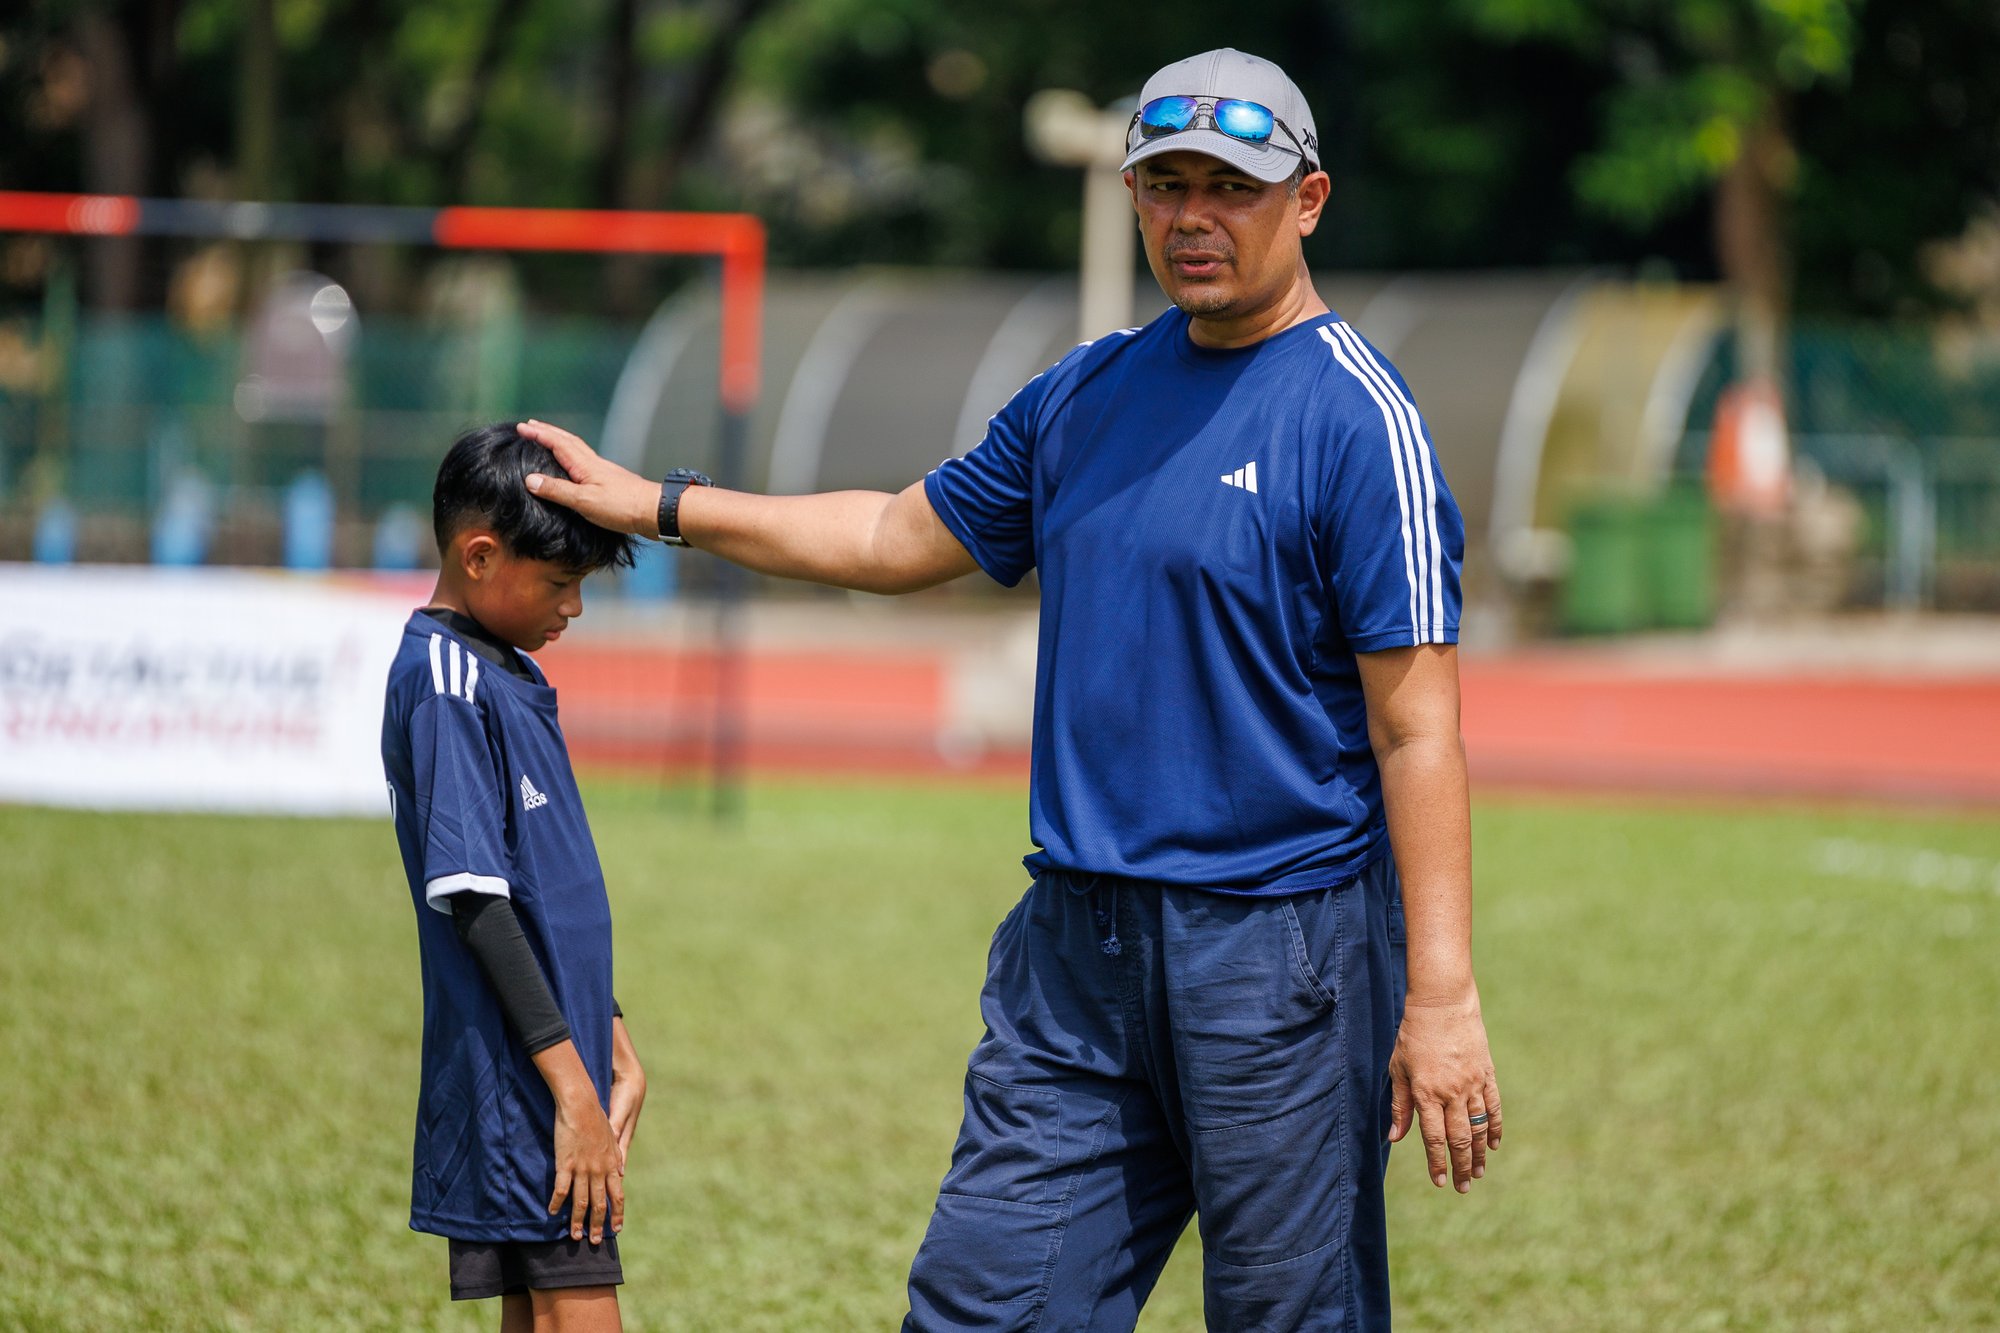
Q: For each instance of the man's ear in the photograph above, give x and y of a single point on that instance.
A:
(477, 553)
(1314, 191)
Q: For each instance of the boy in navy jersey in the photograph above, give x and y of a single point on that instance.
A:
(531, 1087)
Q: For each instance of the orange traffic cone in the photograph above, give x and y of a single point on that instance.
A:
(1749, 455)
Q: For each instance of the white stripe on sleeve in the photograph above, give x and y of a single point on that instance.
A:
(444, 886)
(1423, 443)
(471, 675)
(437, 665)
(454, 666)
(1406, 430)
(1396, 461)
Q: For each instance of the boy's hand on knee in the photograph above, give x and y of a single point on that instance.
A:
(628, 1088)
(588, 1170)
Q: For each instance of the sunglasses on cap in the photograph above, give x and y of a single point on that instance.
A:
(1251, 122)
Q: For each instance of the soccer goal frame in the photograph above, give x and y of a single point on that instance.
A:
(736, 240)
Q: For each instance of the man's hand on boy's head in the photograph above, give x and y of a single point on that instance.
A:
(603, 492)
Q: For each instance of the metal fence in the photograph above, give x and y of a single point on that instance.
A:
(133, 398)
(130, 419)
(1931, 510)
(1929, 515)
(130, 423)
(1906, 423)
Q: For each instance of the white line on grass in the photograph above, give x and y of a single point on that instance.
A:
(1917, 867)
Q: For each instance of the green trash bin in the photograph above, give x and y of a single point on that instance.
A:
(1605, 592)
(1679, 565)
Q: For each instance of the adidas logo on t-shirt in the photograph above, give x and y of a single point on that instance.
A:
(530, 798)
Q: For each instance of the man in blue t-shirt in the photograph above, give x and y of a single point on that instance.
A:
(1246, 699)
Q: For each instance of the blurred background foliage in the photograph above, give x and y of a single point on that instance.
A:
(1460, 133)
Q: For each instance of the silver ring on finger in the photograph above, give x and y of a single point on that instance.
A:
(1477, 1120)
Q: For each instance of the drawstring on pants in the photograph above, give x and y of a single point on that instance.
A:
(1106, 917)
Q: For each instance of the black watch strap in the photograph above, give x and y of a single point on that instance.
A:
(671, 490)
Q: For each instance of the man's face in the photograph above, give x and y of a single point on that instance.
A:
(1223, 244)
(526, 602)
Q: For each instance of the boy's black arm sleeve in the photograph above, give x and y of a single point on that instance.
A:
(489, 927)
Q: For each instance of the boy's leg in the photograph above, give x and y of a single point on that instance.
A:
(1283, 1014)
(576, 1310)
(517, 1313)
(571, 1285)
(1066, 1192)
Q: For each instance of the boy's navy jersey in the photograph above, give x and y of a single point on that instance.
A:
(485, 802)
(1218, 533)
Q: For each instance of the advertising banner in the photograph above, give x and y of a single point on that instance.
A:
(201, 689)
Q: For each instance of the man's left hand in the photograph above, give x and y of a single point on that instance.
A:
(603, 492)
(1442, 1073)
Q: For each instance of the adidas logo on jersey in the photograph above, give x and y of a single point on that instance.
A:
(1243, 478)
(530, 798)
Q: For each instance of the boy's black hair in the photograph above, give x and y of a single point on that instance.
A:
(483, 481)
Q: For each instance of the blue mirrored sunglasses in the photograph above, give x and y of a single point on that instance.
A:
(1252, 122)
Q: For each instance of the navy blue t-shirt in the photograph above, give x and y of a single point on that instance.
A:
(485, 802)
(1217, 533)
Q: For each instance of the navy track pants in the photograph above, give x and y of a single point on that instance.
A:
(1152, 1053)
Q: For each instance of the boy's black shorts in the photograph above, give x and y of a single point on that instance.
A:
(480, 1269)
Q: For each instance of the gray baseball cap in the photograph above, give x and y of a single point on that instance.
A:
(1213, 76)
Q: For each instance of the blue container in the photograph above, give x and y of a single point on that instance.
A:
(181, 528)
(308, 523)
(55, 534)
(400, 536)
(654, 576)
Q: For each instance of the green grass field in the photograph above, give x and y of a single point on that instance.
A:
(1751, 1060)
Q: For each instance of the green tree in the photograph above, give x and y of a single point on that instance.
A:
(428, 102)
(1703, 103)
(1834, 138)
(1905, 152)
(1825, 140)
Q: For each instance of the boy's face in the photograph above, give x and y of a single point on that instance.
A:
(526, 602)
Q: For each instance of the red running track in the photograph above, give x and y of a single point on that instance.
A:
(1554, 720)
(1593, 723)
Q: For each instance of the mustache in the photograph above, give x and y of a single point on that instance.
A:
(1211, 249)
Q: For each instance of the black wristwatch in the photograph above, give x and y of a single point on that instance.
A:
(671, 489)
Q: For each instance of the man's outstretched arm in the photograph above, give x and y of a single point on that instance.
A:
(1442, 1069)
(868, 540)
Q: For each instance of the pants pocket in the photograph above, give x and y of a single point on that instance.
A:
(1251, 1007)
(985, 1260)
(1273, 1191)
(1309, 946)
(1010, 1144)
(984, 1264)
